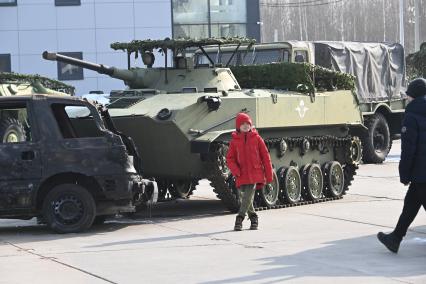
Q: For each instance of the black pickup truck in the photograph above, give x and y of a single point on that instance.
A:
(62, 160)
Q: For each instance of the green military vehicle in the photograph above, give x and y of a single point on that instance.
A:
(379, 70)
(13, 84)
(181, 118)
(416, 63)
(13, 124)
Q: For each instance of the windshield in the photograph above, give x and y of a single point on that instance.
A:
(245, 57)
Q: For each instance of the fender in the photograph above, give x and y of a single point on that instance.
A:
(201, 144)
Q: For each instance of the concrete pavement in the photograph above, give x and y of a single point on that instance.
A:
(191, 241)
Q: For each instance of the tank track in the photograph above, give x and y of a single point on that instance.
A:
(226, 191)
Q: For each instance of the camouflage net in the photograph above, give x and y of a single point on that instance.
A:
(176, 44)
(416, 63)
(299, 77)
(6, 77)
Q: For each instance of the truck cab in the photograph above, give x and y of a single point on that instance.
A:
(62, 160)
(262, 53)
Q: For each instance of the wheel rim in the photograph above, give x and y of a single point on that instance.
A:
(378, 140)
(182, 188)
(11, 137)
(336, 179)
(270, 192)
(356, 151)
(315, 181)
(292, 184)
(68, 209)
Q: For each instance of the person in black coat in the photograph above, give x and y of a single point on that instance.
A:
(412, 166)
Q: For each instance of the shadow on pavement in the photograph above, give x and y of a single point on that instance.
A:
(357, 257)
(181, 209)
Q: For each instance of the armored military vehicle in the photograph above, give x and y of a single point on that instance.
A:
(13, 84)
(181, 118)
(379, 70)
(13, 125)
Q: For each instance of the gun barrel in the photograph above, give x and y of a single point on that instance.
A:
(100, 68)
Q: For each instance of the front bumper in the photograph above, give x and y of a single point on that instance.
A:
(123, 193)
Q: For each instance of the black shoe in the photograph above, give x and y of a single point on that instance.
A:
(254, 221)
(390, 241)
(238, 223)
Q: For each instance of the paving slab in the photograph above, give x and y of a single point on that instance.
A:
(192, 241)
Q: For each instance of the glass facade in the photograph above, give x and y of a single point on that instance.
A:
(209, 18)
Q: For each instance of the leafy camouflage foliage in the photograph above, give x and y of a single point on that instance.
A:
(6, 77)
(416, 63)
(176, 44)
(297, 77)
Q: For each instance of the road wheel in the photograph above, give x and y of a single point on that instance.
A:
(223, 182)
(12, 131)
(181, 188)
(69, 208)
(269, 193)
(334, 178)
(312, 182)
(377, 143)
(291, 186)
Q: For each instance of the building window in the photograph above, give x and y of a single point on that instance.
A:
(5, 63)
(67, 2)
(68, 72)
(8, 2)
(209, 18)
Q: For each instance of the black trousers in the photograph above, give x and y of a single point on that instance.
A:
(414, 199)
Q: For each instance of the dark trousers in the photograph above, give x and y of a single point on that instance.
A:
(247, 192)
(414, 199)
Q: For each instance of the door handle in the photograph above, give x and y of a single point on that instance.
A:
(28, 155)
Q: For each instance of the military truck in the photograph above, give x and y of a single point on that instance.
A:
(416, 63)
(69, 166)
(181, 118)
(379, 70)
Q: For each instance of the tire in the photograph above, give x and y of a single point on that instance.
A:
(99, 220)
(69, 208)
(291, 185)
(182, 189)
(12, 131)
(334, 179)
(313, 182)
(269, 193)
(223, 182)
(377, 143)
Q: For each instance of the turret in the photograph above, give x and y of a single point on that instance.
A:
(182, 77)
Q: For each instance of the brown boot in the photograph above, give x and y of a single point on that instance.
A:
(254, 221)
(238, 223)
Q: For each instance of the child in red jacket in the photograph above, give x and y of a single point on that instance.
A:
(250, 163)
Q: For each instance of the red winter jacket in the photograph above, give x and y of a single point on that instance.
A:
(248, 158)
